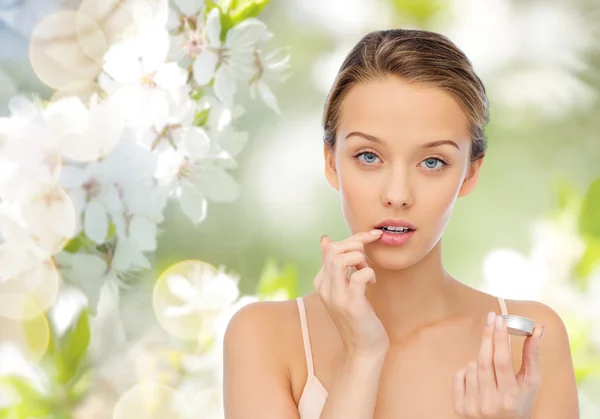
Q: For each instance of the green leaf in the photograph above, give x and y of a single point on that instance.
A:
(73, 346)
(589, 221)
(31, 404)
(210, 4)
(21, 386)
(418, 10)
(273, 281)
(201, 117)
(589, 262)
(73, 245)
(112, 230)
(240, 10)
(197, 94)
(81, 385)
(567, 194)
(234, 12)
(37, 332)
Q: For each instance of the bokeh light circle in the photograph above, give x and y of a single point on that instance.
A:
(31, 332)
(83, 89)
(37, 282)
(50, 219)
(65, 47)
(193, 326)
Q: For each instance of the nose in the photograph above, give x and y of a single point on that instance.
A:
(397, 192)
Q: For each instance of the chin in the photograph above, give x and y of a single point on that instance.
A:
(392, 260)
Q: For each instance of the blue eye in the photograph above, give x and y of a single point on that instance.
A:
(430, 163)
(369, 157)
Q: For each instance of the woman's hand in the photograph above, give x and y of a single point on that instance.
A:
(488, 388)
(341, 284)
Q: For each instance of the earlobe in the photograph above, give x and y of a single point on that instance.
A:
(330, 169)
(470, 180)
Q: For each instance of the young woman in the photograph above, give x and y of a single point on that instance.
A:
(388, 333)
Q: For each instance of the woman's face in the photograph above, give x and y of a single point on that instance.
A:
(385, 167)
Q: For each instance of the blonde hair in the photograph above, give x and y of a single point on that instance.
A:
(416, 56)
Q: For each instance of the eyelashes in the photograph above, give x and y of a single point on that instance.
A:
(445, 163)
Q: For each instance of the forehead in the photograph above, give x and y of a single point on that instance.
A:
(392, 107)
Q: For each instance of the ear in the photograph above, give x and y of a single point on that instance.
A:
(330, 169)
(471, 178)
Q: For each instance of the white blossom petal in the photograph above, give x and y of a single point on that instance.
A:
(142, 232)
(171, 76)
(245, 35)
(84, 271)
(95, 221)
(127, 256)
(204, 67)
(267, 96)
(180, 287)
(217, 185)
(220, 292)
(189, 8)
(154, 48)
(193, 204)
(213, 28)
(197, 143)
(122, 64)
(232, 142)
(179, 311)
(225, 85)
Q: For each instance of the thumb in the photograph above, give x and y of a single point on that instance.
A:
(325, 240)
(531, 354)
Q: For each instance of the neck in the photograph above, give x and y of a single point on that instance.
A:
(409, 300)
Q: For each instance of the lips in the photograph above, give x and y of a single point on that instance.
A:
(396, 222)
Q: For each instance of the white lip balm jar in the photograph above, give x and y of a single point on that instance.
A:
(518, 326)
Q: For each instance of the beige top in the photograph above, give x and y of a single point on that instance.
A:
(314, 394)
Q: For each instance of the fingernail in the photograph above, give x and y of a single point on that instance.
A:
(321, 239)
(376, 232)
(499, 322)
(490, 318)
(543, 330)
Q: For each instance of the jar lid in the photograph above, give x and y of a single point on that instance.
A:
(519, 326)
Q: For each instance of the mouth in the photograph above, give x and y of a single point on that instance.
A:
(395, 226)
(396, 230)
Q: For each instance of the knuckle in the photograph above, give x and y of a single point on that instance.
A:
(488, 410)
(502, 360)
(504, 366)
(473, 410)
(534, 380)
(484, 364)
(331, 250)
(510, 402)
(459, 408)
(488, 332)
(337, 261)
(362, 273)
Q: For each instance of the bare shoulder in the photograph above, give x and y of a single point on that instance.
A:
(557, 396)
(256, 356)
(263, 326)
(537, 311)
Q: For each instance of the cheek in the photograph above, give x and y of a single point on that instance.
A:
(438, 199)
(357, 195)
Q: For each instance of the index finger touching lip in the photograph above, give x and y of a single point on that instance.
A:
(368, 236)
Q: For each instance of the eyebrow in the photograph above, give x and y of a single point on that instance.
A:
(378, 140)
